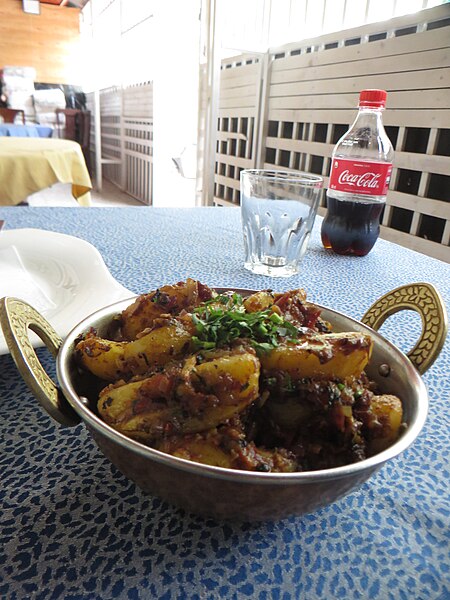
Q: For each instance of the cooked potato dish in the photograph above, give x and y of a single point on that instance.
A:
(259, 383)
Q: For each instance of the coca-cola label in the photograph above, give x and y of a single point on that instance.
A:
(360, 177)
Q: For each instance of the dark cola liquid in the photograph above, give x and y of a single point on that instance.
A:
(351, 227)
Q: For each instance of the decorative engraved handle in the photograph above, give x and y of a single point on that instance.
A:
(425, 300)
(16, 318)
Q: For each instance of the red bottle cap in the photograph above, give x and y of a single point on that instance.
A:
(375, 98)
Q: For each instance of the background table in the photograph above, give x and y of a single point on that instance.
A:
(28, 165)
(12, 130)
(73, 527)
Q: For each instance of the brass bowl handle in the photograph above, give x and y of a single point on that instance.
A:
(16, 318)
(424, 299)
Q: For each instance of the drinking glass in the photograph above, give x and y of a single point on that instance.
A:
(278, 211)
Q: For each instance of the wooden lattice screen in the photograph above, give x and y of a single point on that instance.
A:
(137, 138)
(110, 123)
(311, 92)
(126, 119)
(239, 106)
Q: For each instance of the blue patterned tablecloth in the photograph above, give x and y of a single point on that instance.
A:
(72, 527)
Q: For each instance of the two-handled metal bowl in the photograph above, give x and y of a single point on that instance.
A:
(216, 491)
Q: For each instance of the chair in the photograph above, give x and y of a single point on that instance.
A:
(9, 114)
(77, 128)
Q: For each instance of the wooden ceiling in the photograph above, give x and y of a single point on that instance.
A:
(68, 3)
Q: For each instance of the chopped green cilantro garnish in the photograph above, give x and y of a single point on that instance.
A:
(224, 319)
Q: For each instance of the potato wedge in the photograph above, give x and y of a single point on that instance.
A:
(184, 400)
(197, 448)
(114, 360)
(232, 377)
(226, 448)
(159, 346)
(330, 354)
(169, 299)
(388, 411)
(259, 301)
(101, 357)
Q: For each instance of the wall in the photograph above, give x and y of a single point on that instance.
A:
(48, 42)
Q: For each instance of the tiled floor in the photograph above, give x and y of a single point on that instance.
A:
(113, 196)
(60, 195)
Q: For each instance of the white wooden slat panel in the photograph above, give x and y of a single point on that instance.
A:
(109, 111)
(420, 80)
(403, 160)
(222, 202)
(144, 145)
(426, 206)
(141, 96)
(418, 244)
(417, 99)
(240, 102)
(238, 74)
(311, 115)
(417, 42)
(143, 89)
(110, 95)
(241, 111)
(374, 66)
(249, 86)
(111, 108)
(133, 102)
(230, 135)
(248, 57)
(242, 92)
(138, 93)
(427, 163)
(271, 165)
(138, 155)
(222, 180)
(317, 148)
(236, 161)
(109, 147)
(400, 118)
(446, 235)
(139, 124)
(138, 101)
(138, 111)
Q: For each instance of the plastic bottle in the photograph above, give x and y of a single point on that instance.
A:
(361, 167)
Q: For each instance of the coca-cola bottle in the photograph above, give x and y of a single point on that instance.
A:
(361, 167)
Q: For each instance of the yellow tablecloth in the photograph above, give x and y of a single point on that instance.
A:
(28, 165)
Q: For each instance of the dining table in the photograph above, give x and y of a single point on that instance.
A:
(32, 164)
(72, 526)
